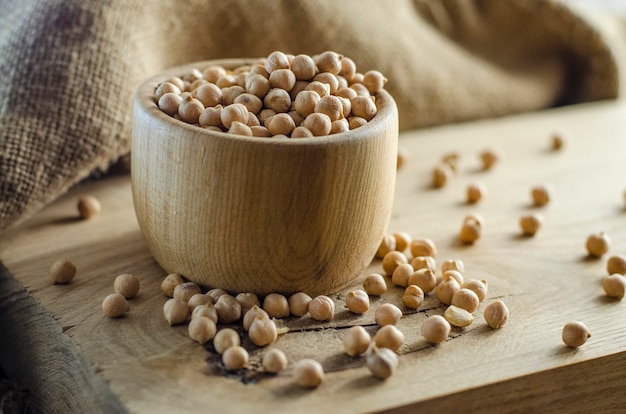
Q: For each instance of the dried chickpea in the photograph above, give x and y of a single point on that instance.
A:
(363, 107)
(215, 294)
(201, 329)
(403, 240)
(474, 218)
(598, 244)
(413, 297)
(436, 329)
(424, 262)
(308, 373)
(224, 339)
(425, 279)
(356, 122)
(170, 282)
(614, 285)
(616, 264)
(387, 314)
(88, 207)
(126, 285)
(575, 334)
(401, 274)
(280, 124)
(169, 103)
(260, 131)
(276, 305)
(541, 195)
(489, 157)
(278, 100)
(283, 79)
(322, 308)
(262, 331)
(205, 311)
(440, 175)
(496, 314)
(347, 93)
(321, 88)
(423, 247)
(389, 337)
(166, 87)
(235, 358)
(339, 126)
(451, 159)
(176, 311)
(374, 81)
(454, 274)
(382, 362)
(178, 82)
(530, 223)
(318, 124)
(247, 301)
(184, 291)
(190, 109)
(228, 309)
(62, 271)
(356, 341)
(301, 132)
(274, 361)
(115, 305)
(453, 264)
(234, 112)
(348, 68)
(329, 61)
(213, 73)
(303, 67)
(475, 192)
(276, 60)
(357, 301)
(331, 106)
(209, 94)
(254, 313)
(556, 142)
(445, 290)
(357, 85)
(470, 232)
(258, 85)
(299, 303)
(329, 79)
(239, 128)
(458, 316)
(375, 284)
(211, 116)
(192, 75)
(392, 260)
(479, 287)
(297, 118)
(465, 299)
(252, 102)
(387, 244)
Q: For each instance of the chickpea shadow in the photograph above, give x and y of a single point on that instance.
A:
(564, 351)
(587, 258)
(66, 220)
(605, 300)
(363, 382)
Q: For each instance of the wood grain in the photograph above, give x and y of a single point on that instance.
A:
(546, 281)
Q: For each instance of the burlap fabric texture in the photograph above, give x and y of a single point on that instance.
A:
(69, 68)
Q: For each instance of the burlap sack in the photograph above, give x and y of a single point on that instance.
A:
(68, 68)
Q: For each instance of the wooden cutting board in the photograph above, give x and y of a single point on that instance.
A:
(72, 359)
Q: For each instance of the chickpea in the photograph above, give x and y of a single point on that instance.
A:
(614, 285)
(276, 305)
(392, 260)
(301, 132)
(356, 122)
(215, 294)
(213, 73)
(330, 105)
(329, 79)
(278, 100)
(169, 103)
(62, 271)
(387, 314)
(308, 373)
(616, 264)
(465, 299)
(387, 244)
(262, 331)
(541, 195)
(250, 316)
(356, 341)
(303, 67)
(299, 304)
(556, 141)
(530, 223)
(357, 301)
(235, 358)
(126, 285)
(276, 60)
(413, 297)
(88, 207)
(374, 81)
(224, 339)
(329, 62)
(440, 175)
(458, 316)
(247, 301)
(319, 124)
(202, 329)
(115, 305)
(390, 337)
(479, 287)
(274, 361)
(496, 314)
(205, 311)
(445, 290)
(436, 329)
(475, 192)
(489, 158)
(575, 334)
(382, 362)
(424, 262)
(283, 79)
(228, 309)
(170, 282)
(235, 112)
(423, 247)
(403, 240)
(176, 311)
(280, 124)
(401, 274)
(470, 232)
(375, 284)
(239, 128)
(166, 87)
(321, 88)
(211, 116)
(322, 308)
(190, 109)
(252, 102)
(453, 264)
(425, 279)
(598, 244)
(184, 291)
(363, 107)
(209, 94)
(258, 85)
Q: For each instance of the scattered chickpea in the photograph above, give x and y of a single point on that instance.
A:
(489, 157)
(475, 218)
(453, 264)
(424, 262)
(247, 301)
(454, 274)
(62, 272)
(228, 309)
(452, 160)
(530, 223)
(126, 285)
(400, 276)
(274, 361)
(479, 287)
(299, 303)
(308, 373)
(215, 294)
(170, 282)
(556, 142)
(403, 240)
(115, 305)
(614, 285)
(375, 284)
(425, 279)
(224, 339)
(475, 192)
(382, 362)
(88, 207)
(387, 314)
(598, 244)
(199, 299)
(616, 264)
(390, 337)
(356, 340)
(413, 297)
(202, 329)
(207, 311)
(470, 232)
(465, 299)
(176, 311)
(276, 305)
(262, 331)
(446, 289)
(387, 244)
(250, 316)
(357, 301)
(235, 358)
(392, 260)
(440, 175)
(575, 334)
(436, 329)
(541, 195)
(322, 308)
(496, 314)
(184, 291)
(458, 316)
(303, 66)
(423, 247)
(329, 61)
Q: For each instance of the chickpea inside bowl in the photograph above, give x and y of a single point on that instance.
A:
(261, 215)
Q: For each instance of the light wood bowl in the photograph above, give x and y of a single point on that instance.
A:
(261, 215)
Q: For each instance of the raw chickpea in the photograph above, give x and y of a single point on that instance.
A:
(308, 373)
(329, 79)
(228, 309)
(321, 88)
(556, 142)
(489, 158)
(303, 67)
(530, 223)
(178, 82)
(299, 304)
(403, 158)
(209, 94)
(126, 285)
(403, 240)
(423, 247)
(357, 301)
(278, 100)
(254, 313)
(190, 109)
(363, 107)
(389, 337)
(276, 305)
(424, 262)
(465, 299)
(201, 329)
(387, 244)
(436, 329)
(346, 109)
(211, 116)
(445, 290)
(401, 274)
(318, 124)
(392, 260)
(276, 60)
(176, 311)
(330, 105)
(541, 195)
(347, 93)
(166, 87)
(169, 103)
(339, 126)
(322, 308)
(88, 207)
(361, 90)
(192, 76)
(283, 79)
(348, 68)
(614, 285)
(470, 232)
(239, 128)
(479, 287)
(374, 81)
(252, 102)
(475, 192)
(356, 341)
(235, 112)
(413, 297)
(274, 361)
(62, 271)
(616, 264)
(382, 362)
(598, 244)
(474, 218)
(496, 314)
(575, 334)
(424, 278)
(458, 316)
(259, 69)
(375, 284)
(453, 264)
(301, 132)
(213, 73)
(297, 88)
(280, 124)
(329, 62)
(224, 339)
(297, 118)
(258, 85)
(262, 331)
(215, 294)
(184, 291)
(235, 358)
(260, 131)
(440, 175)
(205, 311)
(387, 314)
(451, 159)
(356, 122)
(170, 282)
(115, 305)
(454, 274)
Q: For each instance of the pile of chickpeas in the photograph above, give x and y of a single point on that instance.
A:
(281, 96)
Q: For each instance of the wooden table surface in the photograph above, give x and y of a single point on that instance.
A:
(73, 359)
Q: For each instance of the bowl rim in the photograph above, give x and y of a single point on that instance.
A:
(144, 101)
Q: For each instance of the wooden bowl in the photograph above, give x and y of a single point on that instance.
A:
(261, 215)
